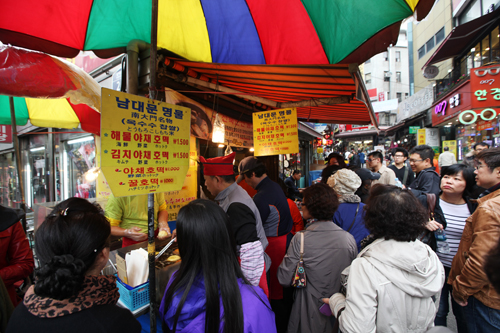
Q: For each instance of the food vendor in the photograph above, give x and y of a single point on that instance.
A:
(128, 217)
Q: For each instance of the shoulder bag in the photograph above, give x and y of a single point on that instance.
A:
(425, 237)
(299, 279)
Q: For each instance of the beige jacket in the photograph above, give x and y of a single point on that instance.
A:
(387, 176)
(389, 289)
(481, 234)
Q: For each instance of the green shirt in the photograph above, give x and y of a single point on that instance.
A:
(128, 212)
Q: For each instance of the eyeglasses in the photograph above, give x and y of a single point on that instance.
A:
(415, 161)
(371, 159)
(479, 166)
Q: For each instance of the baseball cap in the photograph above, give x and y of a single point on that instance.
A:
(247, 164)
(365, 174)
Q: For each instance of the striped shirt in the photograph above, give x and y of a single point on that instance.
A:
(455, 216)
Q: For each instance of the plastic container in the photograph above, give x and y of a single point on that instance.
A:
(442, 243)
(398, 183)
(133, 298)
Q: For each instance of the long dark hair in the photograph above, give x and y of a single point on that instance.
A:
(206, 248)
(67, 244)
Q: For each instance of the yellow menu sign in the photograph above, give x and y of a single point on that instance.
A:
(452, 145)
(275, 132)
(421, 136)
(177, 199)
(144, 144)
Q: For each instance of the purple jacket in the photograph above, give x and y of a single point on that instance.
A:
(257, 313)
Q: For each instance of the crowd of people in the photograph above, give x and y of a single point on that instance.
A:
(365, 252)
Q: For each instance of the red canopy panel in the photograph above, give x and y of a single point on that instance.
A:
(288, 83)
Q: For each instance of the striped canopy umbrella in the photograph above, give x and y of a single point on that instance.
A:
(49, 92)
(220, 31)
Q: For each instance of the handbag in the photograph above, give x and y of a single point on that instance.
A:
(299, 278)
(426, 236)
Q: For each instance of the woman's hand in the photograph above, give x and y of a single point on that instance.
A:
(433, 225)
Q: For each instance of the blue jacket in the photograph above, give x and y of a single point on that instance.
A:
(362, 158)
(344, 216)
(257, 313)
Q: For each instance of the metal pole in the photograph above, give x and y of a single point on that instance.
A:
(17, 151)
(151, 228)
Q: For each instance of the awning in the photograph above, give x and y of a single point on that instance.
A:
(357, 133)
(406, 121)
(321, 93)
(308, 130)
(462, 36)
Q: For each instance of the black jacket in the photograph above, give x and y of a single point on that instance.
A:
(98, 319)
(439, 215)
(427, 181)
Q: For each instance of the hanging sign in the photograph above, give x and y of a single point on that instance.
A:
(236, 133)
(414, 129)
(5, 134)
(485, 86)
(144, 144)
(275, 132)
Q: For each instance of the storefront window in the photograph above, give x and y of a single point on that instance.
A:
(485, 50)
(471, 13)
(37, 176)
(495, 45)
(10, 195)
(477, 55)
(78, 159)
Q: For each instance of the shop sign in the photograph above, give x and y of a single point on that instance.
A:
(420, 101)
(482, 125)
(468, 117)
(485, 86)
(275, 132)
(421, 136)
(144, 144)
(428, 136)
(237, 133)
(453, 102)
(414, 129)
(452, 145)
(5, 134)
(431, 72)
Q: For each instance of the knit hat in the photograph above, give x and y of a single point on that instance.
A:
(218, 166)
(344, 182)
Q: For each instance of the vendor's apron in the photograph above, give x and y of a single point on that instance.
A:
(263, 280)
(127, 241)
(276, 251)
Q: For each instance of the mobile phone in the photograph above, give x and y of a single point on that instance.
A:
(325, 310)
